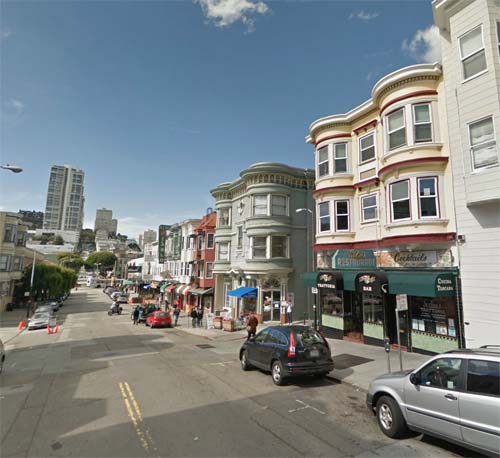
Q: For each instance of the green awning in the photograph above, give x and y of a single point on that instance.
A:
(162, 287)
(424, 283)
(309, 279)
(128, 282)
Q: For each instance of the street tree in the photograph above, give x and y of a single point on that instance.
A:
(104, 259)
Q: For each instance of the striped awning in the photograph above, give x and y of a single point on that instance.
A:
(171, 288)
(182, 289)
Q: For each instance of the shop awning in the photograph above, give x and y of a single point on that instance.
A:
(243, 291)
(371, 282)
(201, 291)
(425, 284)
(164, 286)
(170, 289)
(330, 280)
(182, 289)
(128, 283)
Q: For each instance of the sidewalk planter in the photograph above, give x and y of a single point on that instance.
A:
(228, 324)
(217, 322)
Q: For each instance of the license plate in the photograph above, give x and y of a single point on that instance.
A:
(314, 353)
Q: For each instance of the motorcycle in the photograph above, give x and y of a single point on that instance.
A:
(115, 309)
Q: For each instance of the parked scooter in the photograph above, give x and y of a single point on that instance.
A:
(115, 309)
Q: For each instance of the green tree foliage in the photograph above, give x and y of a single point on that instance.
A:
(70, 260)
(58, 240)
(50, 280)
(105, 259)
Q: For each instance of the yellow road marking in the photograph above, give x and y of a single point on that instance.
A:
(142, 436)
(134, 402)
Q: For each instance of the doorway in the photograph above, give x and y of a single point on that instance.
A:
(390, 320)
(271, 301)
(353, 317)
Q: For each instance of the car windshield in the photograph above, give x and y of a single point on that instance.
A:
(161, 314)
(306, 337)
(40, 316)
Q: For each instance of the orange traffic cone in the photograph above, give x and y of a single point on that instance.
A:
(48, 329)
(22, 325)
(56, 329)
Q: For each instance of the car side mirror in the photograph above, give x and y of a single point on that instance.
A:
(415, 379)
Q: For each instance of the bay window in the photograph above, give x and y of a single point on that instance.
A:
(5, 262)
(278, 205)
(259, 247)
(324, 217)
(369, 208)
(483, 145)
(427, 197)
(341, 215)
(396, 130)
(9, 233)
(422, 126)
(260, 204)
(400, 200)
(224, 217)
(340, 158)
(367, 148)
(279, 246)
(323, 162)
(472, 53)
(223, 251)
(239, 243)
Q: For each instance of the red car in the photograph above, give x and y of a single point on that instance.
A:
(159, 319)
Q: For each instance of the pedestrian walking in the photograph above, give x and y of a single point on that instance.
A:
(200, 317)
(252, 325)
(135, 315)
(177, 312)
(289, 312)
(194, 316)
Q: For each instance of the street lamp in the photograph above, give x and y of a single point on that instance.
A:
(12, 168)
(309, 238)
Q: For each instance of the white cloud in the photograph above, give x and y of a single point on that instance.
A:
(5, 34)
(13, 107)
(224, 13)
(363, 16)
(425, 46)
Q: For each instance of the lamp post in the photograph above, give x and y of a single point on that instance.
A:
(309, 237)
(12, 168)
(28, 309)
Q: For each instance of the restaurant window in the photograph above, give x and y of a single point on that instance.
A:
(210, 241)
(340, 158)
(224, 217)
(9, 233)
(434, 315)
(373, 309)
(260, 204)
(341, 215)
(259, 245)
(396, 130)
(209, 270)
(223, 251)
(483, 377)
(332, 302)
(422, 125)
(483, 145)
(400, 200)
(279, 205)
(472, 53)
(324, 217)
(427, 197)
(239, 241)
(323, 162)
(367, 148)
(369, 208)
(279, 246)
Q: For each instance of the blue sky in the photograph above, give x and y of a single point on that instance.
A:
(160, 101)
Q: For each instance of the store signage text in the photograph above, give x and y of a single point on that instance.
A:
(444, 285)
(354, 258)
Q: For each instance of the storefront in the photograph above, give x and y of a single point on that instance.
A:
(203, 297)
(360, 305)
(246, 299)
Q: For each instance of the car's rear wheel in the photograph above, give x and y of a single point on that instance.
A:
(390, 419)
(277, 373)
(245, 365)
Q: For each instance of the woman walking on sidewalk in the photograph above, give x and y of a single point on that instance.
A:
(177, 312)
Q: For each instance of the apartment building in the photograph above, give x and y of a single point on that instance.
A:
(385, 216)
(470, 43)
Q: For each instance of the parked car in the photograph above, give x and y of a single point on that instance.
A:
(122, 299)
(159, 319)
(44, 309)
(287, 351)
(454, 396)
(53, 304)
(39, 320)
(2, 355)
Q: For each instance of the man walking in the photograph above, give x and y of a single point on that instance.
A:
(194, 316)
(177, 312)
(200, 317)
(135, 315)
(289, 312)
(252, 324)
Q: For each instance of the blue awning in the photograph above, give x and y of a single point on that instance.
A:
(243, 291)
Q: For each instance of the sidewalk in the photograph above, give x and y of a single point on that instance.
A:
(9, 321)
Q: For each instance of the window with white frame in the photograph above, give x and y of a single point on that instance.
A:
(369, 211)
(17, 265)
(340, 158)
(483, 146)
(400, 200)
(341, 215)
(224, 217)
(239, 242)
(259, 247)
(260, 204)
(279, 245)
(210, 241)
(396, 129)
(422, 124)
(324, 217)
(209, 270)
(5, 262)
(279, 205)
(9, 233)
(427, 197)
(472, 53)
(323, 162)
(223, 251)
(367, 147)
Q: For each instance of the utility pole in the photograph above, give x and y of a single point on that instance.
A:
(28, 309)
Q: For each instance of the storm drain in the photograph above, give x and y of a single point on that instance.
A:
(345, 361)
(205, 346)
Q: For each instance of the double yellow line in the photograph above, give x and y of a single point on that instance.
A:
(135, 414)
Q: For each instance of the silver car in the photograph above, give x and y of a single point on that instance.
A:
(39, 320)
(454, 396)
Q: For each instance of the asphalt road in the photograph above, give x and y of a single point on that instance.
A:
(103, 387)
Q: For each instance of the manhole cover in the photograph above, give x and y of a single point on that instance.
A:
(345, 361)
(205, 346)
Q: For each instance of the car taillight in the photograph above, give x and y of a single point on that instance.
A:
(291, 346)
(326, 341)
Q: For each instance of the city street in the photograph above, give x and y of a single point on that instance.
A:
(103, 387)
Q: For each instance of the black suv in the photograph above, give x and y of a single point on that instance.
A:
(287, 351)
